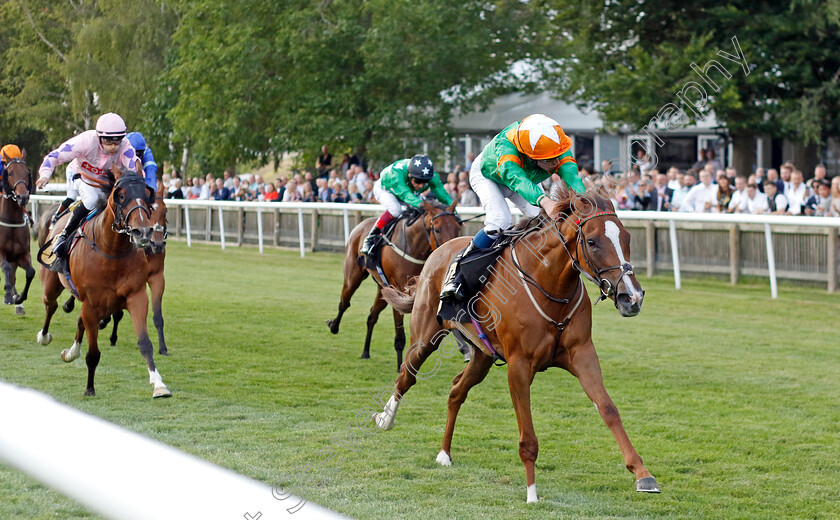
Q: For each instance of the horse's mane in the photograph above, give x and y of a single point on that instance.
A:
(590, 201)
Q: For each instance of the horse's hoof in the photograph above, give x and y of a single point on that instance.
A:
(443, 459)
(161, 391)
(90, 392)
(104, 323)
(163, 351)
(333, 329)
(65, 358)
(68, 306)
(19, 310)
(44, 339)
(365, 355)
(647, 485)
(384, 422)
(17, 300)
(113, 342)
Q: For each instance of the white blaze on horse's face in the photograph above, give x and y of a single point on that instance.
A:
(612, 232)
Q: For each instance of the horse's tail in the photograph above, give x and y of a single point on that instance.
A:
(402, 301)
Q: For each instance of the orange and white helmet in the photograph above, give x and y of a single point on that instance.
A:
(540, 137)
(9, 152)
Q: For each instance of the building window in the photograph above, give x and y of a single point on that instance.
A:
(584, 151)
(677, 151)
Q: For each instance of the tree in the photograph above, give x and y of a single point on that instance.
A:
(631, 58)
(262, 76)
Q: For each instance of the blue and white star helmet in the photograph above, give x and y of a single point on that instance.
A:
(421, 168)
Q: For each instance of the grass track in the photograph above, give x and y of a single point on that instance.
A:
(729, 397)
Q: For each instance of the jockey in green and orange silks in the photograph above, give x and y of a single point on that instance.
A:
(512, 166)
(403, 181)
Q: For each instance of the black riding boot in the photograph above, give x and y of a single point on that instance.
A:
(61, 207)
(59, 246)
(453, 285)
(371, 240)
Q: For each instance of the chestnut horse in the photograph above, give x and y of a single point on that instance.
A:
(536, 313)
(14, 229)
(109, 268)
(410, 245)
(155, 256)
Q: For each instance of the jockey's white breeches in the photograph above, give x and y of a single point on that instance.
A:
(492, 197)
(92, 197)
(387, 199)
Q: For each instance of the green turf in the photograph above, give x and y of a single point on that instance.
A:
(730, 398)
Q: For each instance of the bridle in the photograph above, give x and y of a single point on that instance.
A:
(432, 232)
(158, 247)
(608, 290)
(9, 189)
(121, 224)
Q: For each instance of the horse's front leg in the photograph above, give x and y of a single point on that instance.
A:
(89, 320)
(585, 366)
(30, 274)
(157, 284)
(9, 287)
(138, 307)
(520, 377)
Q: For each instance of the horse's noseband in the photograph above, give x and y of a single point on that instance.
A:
(9, 189)
(432, 231)
(608, 290)
(120, 215)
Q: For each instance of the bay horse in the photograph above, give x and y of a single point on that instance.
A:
(109, 269)
(14, 230)
(402, 260)
(535, 312)
(155, 257)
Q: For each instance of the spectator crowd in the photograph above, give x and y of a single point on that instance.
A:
(706, 187)
(710, 189)
(349, 182)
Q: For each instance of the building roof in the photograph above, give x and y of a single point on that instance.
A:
(514, 107)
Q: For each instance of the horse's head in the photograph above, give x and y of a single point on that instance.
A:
(17, 180)
(158, 240)
(441, 223)
(131, 201)
(603, 250)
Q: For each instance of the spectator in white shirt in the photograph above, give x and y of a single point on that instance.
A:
(703, 197)
(785, 173)
(738, 202)
(674, 178)
(688, 182)
(797, 193)
(755, 202)
(776, 202)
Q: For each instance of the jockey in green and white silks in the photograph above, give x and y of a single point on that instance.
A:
(403, 181)
(512, 166)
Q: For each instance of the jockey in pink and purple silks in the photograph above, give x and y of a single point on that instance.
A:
(92, 154)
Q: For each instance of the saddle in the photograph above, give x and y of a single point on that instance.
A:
(475, 270)
(373, 261)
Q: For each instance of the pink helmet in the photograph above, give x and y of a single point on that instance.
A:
(110, 125)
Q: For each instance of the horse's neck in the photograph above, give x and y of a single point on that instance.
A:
(108, 240)
(541, 255)
(413, 238)
(10, 211)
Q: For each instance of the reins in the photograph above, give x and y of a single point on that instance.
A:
(605, 286)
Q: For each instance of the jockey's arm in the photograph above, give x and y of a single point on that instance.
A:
(65, 153)
(509, 172)
(150, 168)
(568, 171)
(436, 187)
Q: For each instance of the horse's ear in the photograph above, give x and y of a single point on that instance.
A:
(451, 208)
(161, 189)
(23, 154)
(428, 206)
(116, 171)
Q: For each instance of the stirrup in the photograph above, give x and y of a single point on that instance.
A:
(453, 287)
